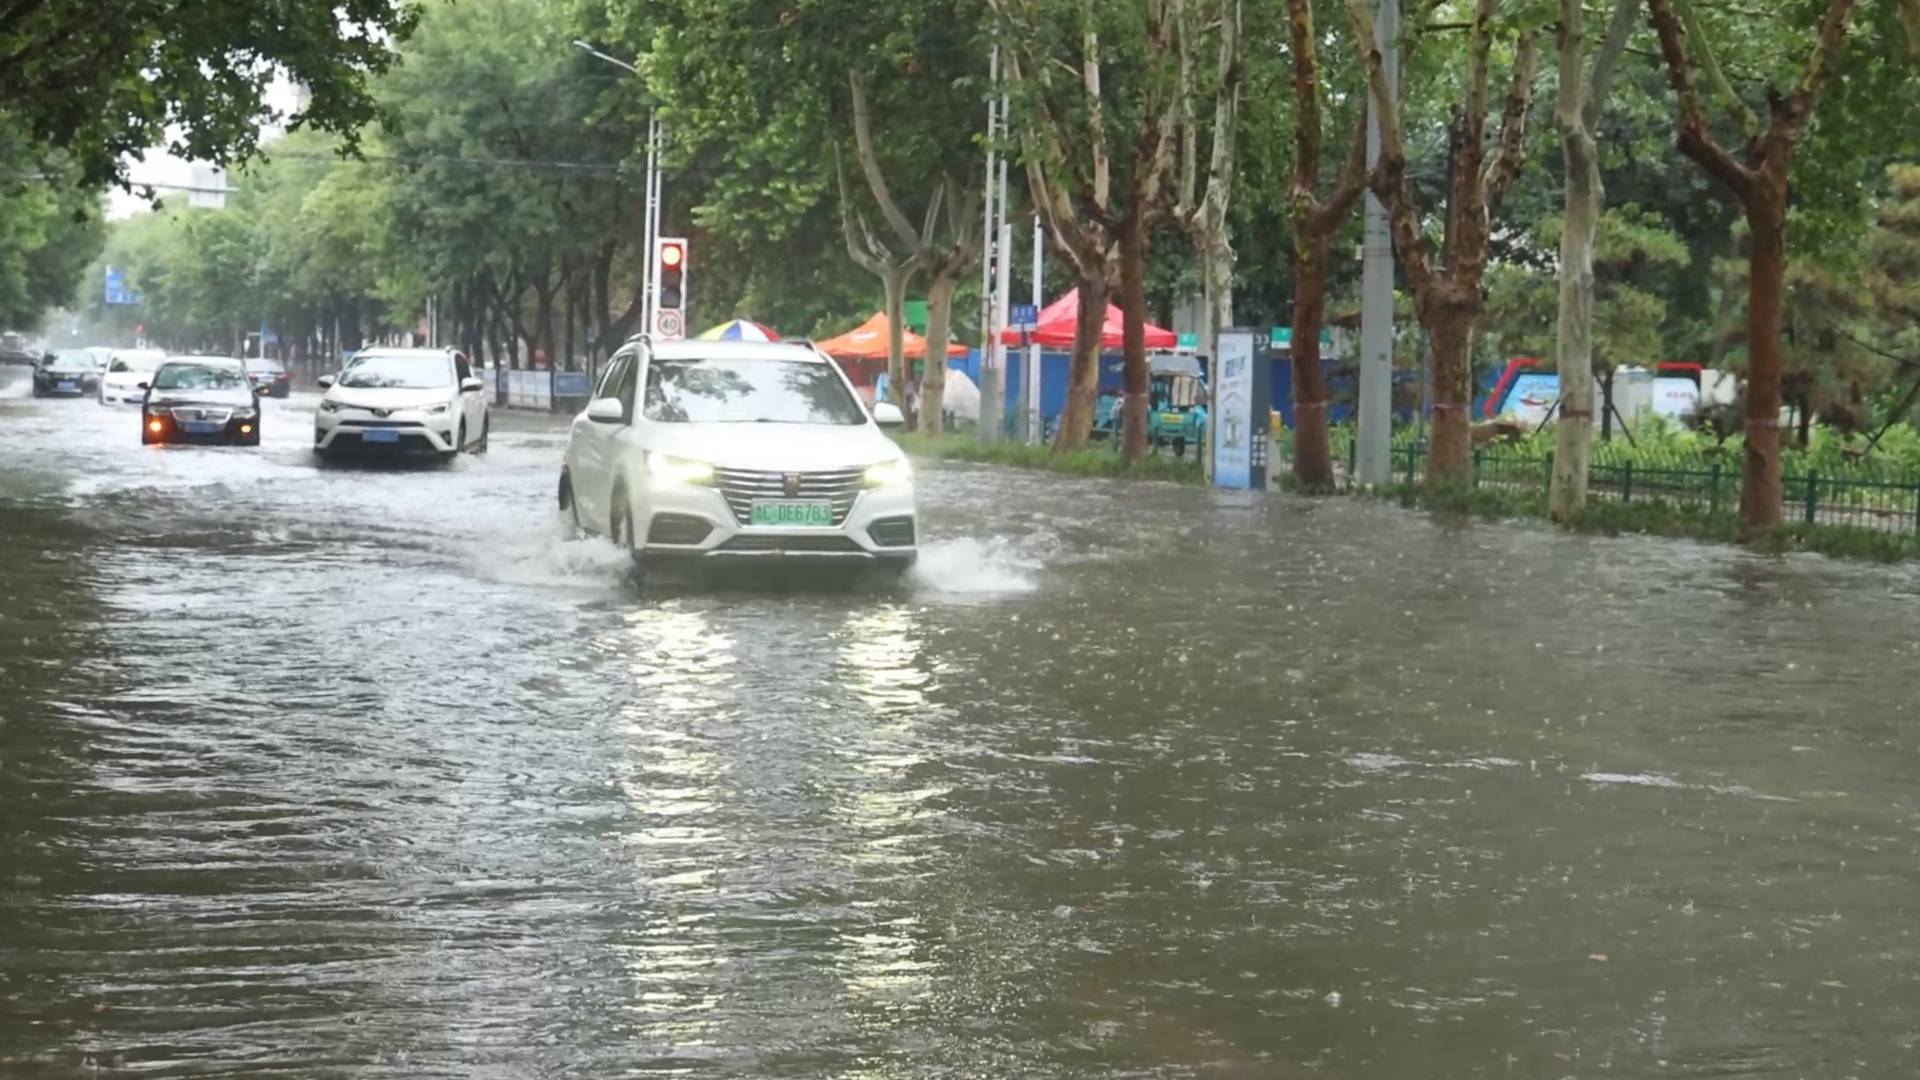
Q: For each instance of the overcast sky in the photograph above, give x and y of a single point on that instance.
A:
(158, 166)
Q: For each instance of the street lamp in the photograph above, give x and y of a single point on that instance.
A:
(652, 213)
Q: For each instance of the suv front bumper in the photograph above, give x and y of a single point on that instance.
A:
(693, 523)
(400, 432)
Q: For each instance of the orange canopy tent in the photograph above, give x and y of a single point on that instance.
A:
(1057, 323)
(868, 341)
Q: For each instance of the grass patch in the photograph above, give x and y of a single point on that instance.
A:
(1658, 518)
(1098, 460)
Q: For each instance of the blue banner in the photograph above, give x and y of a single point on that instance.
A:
(571, 384)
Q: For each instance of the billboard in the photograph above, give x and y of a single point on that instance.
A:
(1232, 419)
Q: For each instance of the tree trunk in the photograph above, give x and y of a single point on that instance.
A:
(894, 283)
(933, 381)
(1312, 445)
(1573, 436)
(1083, 374)
(1133, 336)
(1766, 289)
(1450, 325)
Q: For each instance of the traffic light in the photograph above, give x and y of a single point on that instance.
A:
(670, 288)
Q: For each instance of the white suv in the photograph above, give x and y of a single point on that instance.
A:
(403, 399)
(711, 451)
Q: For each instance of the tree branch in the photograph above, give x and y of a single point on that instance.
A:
(1389, 179)
(1790, 113)
(870, 163)
(1504, 169)
(1694, 139)
(1600, 82)
(1749, 123)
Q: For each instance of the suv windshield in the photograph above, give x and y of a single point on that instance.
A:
(71, 361)
(748, 392)
(399, 373)
(256, 364)
(198, 377)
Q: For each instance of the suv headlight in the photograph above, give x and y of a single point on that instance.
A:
(329, 405)
(435, 410)
(672, 470)
(245, 412)
(888, 473)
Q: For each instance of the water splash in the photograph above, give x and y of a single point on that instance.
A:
(968, 565)
(547, 558)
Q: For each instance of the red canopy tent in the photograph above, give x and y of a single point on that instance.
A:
(868, 341)
(1056, 328)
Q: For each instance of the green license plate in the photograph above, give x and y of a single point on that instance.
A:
(809, 514)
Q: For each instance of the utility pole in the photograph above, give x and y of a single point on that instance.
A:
(991, 384)
(1036, 427)
(1374, 463)
(651, 214)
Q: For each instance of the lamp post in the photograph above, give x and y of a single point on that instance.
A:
(652, 212)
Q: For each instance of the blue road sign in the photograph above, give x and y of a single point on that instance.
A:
(1022, 316)
(117, 291)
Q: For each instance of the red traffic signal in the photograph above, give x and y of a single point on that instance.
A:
(669, 276)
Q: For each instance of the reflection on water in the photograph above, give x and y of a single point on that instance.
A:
(355, 773)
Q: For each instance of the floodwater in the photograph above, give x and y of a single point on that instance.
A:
(369, 773)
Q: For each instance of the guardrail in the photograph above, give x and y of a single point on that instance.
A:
(1883, 496)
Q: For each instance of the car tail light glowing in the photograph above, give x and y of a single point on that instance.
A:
(155, 426)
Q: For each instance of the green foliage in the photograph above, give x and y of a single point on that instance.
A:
(50, 231)
(1097, 460)
(105, 80)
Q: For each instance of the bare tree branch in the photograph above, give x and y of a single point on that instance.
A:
(1695, 139)
(1504, 169)
(870, 163)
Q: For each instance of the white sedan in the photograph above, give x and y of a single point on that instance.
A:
(128, 370)
(395, 400)
(716, 451)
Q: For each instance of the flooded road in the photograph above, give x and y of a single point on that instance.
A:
(368, 773)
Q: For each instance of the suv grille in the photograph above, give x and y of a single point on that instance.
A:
(832, 543)
(741, 486)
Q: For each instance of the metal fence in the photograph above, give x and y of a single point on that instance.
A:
(1876, 495)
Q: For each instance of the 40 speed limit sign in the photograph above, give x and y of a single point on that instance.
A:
(669, 325)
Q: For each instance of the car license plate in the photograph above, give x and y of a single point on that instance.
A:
(810, 514)
(69, 386)
(380, 436)
(202, 427)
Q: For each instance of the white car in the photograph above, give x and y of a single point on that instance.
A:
(395, 400)
(709, 451)
(127, 371)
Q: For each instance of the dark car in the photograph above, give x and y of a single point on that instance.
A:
(200, 399)
(269, 376)
(67, 373)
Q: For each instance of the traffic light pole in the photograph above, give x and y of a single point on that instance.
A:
(652, 215)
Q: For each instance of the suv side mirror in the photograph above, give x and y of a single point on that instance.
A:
(325, 381)
(141, 386)
(470, 384)
(606, 410)
(887, 414)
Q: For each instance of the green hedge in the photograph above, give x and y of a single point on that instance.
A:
(1097, 460)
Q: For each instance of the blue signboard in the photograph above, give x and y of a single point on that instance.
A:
(1022, 316)
(570, 384)
(117, 291)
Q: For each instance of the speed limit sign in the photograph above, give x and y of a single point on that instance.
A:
(669, 325)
